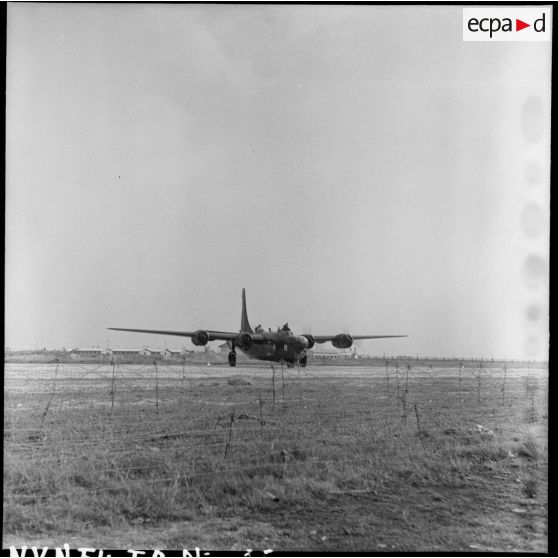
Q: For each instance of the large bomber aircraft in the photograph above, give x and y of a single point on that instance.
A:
(276, 346)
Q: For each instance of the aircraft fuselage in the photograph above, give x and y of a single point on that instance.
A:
(277, 346)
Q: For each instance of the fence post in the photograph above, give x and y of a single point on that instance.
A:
(533, 411)
(261, 415)
(504, 385)
(112, 386)
(273, 386)
(283, 382)
(183, 407)
(387, 375)
(227, 446)
(479, 383)
(417, 415)
(49, 402)
(156, 386)
(405, 391)
(397, 379)
(407, 378)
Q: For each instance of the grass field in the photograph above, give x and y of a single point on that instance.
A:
(323, 459)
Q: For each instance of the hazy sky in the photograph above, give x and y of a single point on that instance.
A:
(356, 168)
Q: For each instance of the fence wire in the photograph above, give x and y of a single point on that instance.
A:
(180, 423)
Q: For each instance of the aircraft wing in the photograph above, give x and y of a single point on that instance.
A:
(326, 338)
(213, 335)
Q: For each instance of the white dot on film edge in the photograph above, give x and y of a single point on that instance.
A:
(535, 271)
(532, 118)
(532, 220)
(534, 173)
(534, 312)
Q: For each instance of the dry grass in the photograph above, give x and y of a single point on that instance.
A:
(341, 463)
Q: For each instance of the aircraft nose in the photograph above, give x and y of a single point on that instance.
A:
(301, 342)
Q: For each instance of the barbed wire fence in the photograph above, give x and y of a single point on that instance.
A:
(170, 423)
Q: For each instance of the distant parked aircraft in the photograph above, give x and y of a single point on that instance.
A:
(276, 346)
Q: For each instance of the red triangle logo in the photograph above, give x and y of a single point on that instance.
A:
(519, 25)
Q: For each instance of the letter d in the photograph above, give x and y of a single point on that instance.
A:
(540, 20)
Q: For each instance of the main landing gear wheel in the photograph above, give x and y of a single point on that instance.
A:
(303, 361)
(232, 358)
(290, 364)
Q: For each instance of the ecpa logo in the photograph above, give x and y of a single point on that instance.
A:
(507, 24)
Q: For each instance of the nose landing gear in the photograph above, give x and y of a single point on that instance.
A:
(303, 361)
(232, 358)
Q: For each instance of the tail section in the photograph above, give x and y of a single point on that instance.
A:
(245, 324)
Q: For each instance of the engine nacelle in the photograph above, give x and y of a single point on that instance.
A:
(342, 341)
(244, 341)
(200, 338)
(311, 341)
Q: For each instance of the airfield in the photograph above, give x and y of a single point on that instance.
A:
(418, 457)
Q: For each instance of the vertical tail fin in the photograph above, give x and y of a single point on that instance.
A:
(244, 323)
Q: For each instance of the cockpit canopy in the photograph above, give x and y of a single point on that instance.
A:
(285, 328)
